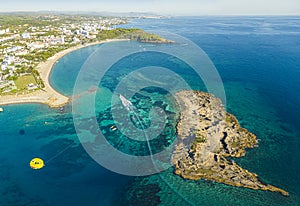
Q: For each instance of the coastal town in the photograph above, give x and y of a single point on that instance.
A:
(32, 43)
(208, 138)
(26, 41)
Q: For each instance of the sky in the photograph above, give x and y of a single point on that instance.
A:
(171, 7)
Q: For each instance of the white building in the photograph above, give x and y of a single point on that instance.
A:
(26, 35)
(14, 49)
(4, 66)
(31, 86)
(75, 40)
(4, 31)
(6, 62)
(36, 45)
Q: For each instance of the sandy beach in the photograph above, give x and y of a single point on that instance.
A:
(48, 95)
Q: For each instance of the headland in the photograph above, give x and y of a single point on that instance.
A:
(208, 137)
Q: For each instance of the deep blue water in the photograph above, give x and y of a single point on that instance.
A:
(258, 60)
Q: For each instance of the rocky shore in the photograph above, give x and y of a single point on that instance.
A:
(207, 136)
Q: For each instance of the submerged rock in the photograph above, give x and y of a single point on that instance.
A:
(207, 134)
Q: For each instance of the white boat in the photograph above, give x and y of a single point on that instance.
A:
(1, 109)
(126, 103)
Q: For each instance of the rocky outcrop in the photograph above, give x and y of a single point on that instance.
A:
(207, 134)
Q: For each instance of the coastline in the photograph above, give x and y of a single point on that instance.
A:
(48, 95)
(208, 137)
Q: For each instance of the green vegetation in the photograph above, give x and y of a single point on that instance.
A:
(199, 138)
(235, 144)
(132, 34)
(49, 34)
(230, 119)
(38, 79)
(46, 54)
(22, 82)
(142, 36)
(205, 171)
(29, 20)
(13, 78)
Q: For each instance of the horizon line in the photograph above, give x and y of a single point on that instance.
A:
(145, 13)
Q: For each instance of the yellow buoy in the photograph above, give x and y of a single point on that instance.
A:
(36, 163)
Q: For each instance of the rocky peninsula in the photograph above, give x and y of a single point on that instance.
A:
(207, 136)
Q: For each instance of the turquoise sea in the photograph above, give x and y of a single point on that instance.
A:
(258, 61)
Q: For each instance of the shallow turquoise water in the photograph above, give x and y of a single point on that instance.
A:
(259, 66)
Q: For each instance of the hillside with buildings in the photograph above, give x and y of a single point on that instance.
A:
(27, 40)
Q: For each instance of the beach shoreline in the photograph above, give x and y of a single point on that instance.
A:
(48, 95)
